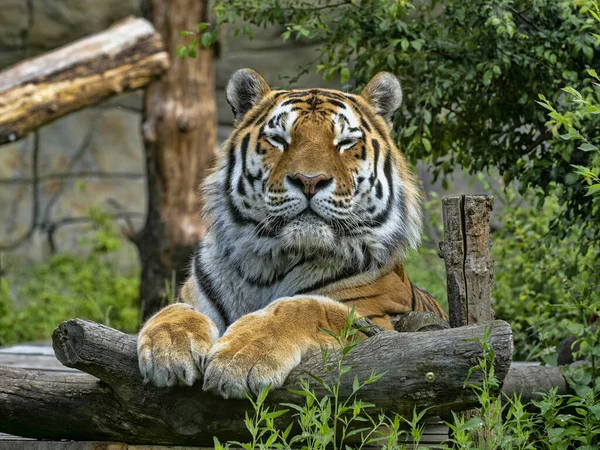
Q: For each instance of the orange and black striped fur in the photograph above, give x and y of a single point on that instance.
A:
(310, 210)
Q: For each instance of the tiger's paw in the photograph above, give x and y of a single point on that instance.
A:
(172, 346)
(248, 358)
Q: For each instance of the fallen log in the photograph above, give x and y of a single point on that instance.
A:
(36, 91)
(528, 382)
(424, 369)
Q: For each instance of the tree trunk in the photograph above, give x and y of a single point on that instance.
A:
(126, 56)
(179, 132)
(422, 370)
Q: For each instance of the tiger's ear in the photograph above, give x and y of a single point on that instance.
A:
(384, 94)
(245, 89)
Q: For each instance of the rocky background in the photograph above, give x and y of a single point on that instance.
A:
(93, 158)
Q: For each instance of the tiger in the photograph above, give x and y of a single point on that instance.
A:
(310, 211)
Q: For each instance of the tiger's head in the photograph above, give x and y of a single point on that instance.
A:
(315, 171)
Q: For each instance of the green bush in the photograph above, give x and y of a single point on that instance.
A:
(34, 300)
(539, 278)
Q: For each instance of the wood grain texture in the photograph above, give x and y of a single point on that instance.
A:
(36, 91)
(479, 265)
(452, 250)
(424, 369)
(467, 256)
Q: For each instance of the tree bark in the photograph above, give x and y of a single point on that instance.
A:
(126, 56)
(425, 369)
(529, 382)
(466, 254)
(179, 132)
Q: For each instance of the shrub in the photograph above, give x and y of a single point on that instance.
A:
(34, 300)
(539, 278)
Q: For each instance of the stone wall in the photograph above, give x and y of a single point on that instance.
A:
(94, 158)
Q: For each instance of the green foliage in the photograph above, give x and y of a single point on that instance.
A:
(586, 107)
(556, 422)
(34, 300)
(471, 71)
(541, 281)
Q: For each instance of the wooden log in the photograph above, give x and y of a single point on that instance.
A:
(425, 369)
(528, 382)
(479, 265)
(466, 254)
(36, 91)
(418, 321)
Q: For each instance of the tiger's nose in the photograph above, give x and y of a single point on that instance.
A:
(310, 184)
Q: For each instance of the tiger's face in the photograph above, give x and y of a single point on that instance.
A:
(313, 168)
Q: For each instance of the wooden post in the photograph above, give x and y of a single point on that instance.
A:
(466, 253)
(469, 264)
(127, 56)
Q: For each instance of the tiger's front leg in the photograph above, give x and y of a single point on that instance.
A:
(173, 344)
(263, 347)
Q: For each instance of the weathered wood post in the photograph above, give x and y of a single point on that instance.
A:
(466, 253)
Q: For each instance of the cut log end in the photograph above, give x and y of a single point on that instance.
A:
(36, 91)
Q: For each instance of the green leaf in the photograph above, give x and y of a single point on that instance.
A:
(586, 147)
(427, 116)
(293, 406)
(426, 144)
(573, 92)
(201, 27)
(207, 39)
(181, 51)
(417, 44)
(187, 33)
(329, 332)
(193, 47)
(487, 77)
(391, 61)
(410, 131)
(358, 430)
(593, 189)
(217, 444)
(275, 414)
(262, 395)
(344, 75)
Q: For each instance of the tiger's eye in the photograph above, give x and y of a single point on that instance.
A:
(346, 143)
(279, 140)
